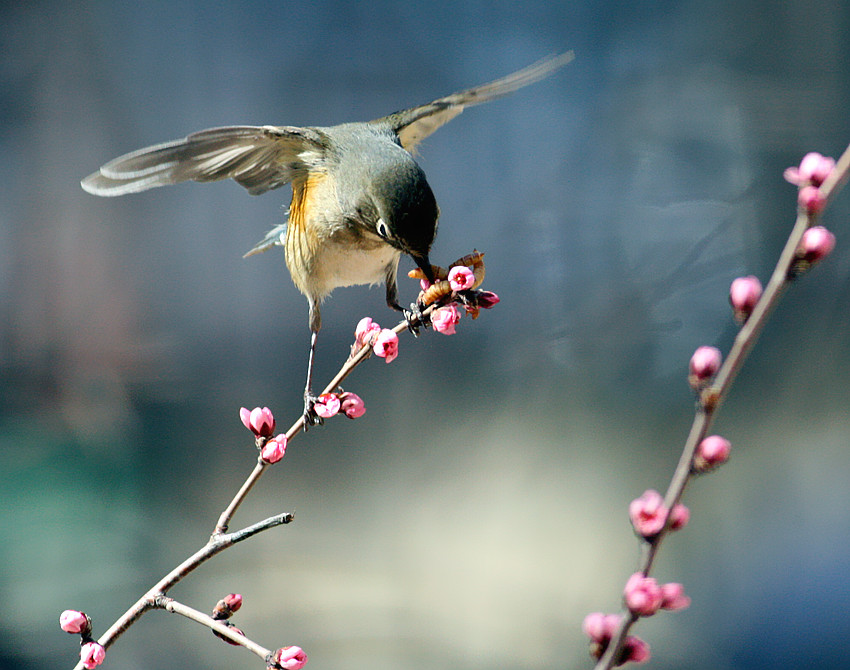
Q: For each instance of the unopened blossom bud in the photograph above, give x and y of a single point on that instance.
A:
(445, 319)
(600, 627)
(711, 452)
(274, 449)
(225, 607)
(365, 331)
(817, 243)
(461, 278)
(679, 516)
(259, 420)
(92, 655)
(703, 366)
(351, 405)
(673, 597)
(813, 169)
(648, 513)
(72, 621)
(635, 650)
(744, 294)
(327, 405)
(642, 595)
(811, 199)
(386, 345)
(487, 299)
(290, 658)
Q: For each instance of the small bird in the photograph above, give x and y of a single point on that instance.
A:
(359, 199)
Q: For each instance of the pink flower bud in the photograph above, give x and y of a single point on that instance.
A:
(744, 294)
(711, 452)
(635, 650)
(817, 243)
(679, 516)
(366, 331)
(424, 284)
(225, 607)
(92, 655)
(352, 405)
(290, 658)
(445, 319)
(648, 513)
(600, 627)
(386, 345)
(487, 299)
(813, 169)
(259, 420)
(72, 621)
(673, 597)
(811, 199)
(234, 600)
(327, 405)
(642, 595)
(461, 278)
(273, 450)
(703, 366)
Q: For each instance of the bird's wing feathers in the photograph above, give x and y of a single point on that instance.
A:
(260, 158)
(415, 124)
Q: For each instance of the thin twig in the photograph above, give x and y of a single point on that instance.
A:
(149, 600)
(712, 397)
(347, 368)
(171, 605)
(155, 597)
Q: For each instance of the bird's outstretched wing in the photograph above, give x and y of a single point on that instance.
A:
(260, 158)
(415, 124)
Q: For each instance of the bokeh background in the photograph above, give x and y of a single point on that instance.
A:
(478, 511)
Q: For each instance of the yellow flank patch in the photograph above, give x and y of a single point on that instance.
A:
(302, 243)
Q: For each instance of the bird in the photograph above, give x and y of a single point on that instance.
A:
(359, 197)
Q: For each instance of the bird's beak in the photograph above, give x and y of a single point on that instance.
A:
(425, 265)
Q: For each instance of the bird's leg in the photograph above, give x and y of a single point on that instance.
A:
(413, 316)
(310, 417)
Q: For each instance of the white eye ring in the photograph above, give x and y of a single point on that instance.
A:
(381, 227)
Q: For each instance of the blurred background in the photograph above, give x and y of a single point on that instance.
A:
(477, 511)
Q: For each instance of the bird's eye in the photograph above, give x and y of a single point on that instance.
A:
(381, 227)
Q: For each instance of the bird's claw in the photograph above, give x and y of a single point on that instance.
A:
(414, 318)
(310, 418)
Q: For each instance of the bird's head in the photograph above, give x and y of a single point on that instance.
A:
(407, 211)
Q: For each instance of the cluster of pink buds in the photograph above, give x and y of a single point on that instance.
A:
(808, 177)
(331, 404)
(384, 342)
(260, 421)
(78, 623)
(223, 610)
(648, 514)
(644, 596)
(600, 628)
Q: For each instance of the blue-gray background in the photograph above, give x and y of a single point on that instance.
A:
(477, 511)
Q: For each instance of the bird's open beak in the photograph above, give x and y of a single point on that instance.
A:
(425, 265)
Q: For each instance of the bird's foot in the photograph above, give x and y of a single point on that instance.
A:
(414, 318)
(310, 417)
